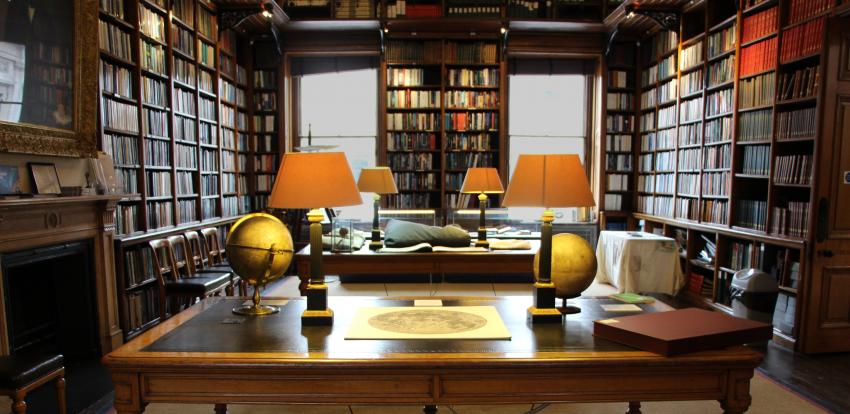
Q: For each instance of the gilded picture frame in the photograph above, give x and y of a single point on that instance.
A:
(81, 139)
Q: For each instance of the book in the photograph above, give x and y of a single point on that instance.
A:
(632, 298)
(681, 331)
(427, 247)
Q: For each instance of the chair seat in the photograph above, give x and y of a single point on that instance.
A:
(199, 285)
(17, 371)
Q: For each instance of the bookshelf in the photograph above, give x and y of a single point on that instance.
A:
(617, 154)
(169, 105)
(263, 128)
(442, 115)
(761, 67)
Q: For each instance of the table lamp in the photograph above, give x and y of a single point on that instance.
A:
(552, 180)
(482, 181)
(377, 180)
(314, 180)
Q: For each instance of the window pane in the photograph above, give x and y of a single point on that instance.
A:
(339, 103)
(547, 105)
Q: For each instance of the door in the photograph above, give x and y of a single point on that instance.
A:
(826, 313)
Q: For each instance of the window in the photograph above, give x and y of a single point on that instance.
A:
(547, 114)
(338, 106)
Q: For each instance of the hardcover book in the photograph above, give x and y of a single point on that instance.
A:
(681, 331)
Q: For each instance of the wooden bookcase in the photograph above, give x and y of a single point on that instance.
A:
(170, 98)
(442, 114)
(742, 145)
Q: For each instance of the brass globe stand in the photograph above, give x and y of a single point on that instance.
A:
(256, 309)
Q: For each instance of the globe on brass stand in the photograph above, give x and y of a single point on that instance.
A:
(259, 248)
(572, 269)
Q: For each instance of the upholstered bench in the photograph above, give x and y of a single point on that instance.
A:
(20, 374)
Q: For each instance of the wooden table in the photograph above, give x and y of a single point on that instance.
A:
(365, 261)
(202, 356)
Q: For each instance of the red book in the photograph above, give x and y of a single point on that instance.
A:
(681, 331)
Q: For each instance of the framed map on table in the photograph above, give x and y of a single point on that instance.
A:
(450, 322)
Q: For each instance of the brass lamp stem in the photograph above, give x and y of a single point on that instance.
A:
(376, 242)
(482, 229)
(317, 312)
(544, 310)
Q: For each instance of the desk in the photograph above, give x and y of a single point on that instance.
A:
(365, 261)
(194, 357)
(638, 262)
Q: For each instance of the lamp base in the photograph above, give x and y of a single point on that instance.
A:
(569, 310)
(544, 315)
(317, 318)
(482, 243)
(255, 310)
(376, 245)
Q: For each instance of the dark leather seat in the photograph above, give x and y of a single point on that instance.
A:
(199, 284)
(19, 370)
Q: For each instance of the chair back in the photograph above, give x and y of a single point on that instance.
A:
(164, 263)
(212, 246)
(196, 249)
(183, 262)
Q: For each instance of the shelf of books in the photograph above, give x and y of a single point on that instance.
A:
(617, 155)
(160, 117)
(243, 143)
(442, 116)
(232, 98)
(760, 113)
(263, 130)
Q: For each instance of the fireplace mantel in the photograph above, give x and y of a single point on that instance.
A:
(30, 223)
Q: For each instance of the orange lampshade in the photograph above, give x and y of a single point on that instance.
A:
(552, 180)
(314, 180)
(482, 180)
(378, 180)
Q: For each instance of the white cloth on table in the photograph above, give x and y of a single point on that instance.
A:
(637, 262)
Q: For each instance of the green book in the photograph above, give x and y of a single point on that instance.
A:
(632, 298)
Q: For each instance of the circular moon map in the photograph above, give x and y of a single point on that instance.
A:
(427, 321)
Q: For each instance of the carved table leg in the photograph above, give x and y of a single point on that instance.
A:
(634, 407)
(738, 398)
(127, 394)
(430, 409)
(221, 409)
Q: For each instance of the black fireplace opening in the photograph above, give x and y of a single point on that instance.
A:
(50, 301)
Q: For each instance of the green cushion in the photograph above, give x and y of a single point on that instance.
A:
(400, 233)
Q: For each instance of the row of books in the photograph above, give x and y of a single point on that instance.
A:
(618, 142)
(613, 202)
(619, 123)
(687, 184)
(185, 183)
(209, 184)
(687, 208)
(184, 129)
(264, 182)
(400, 51)
(184, 10)
(619, 79)
(800, 10)
(114, 40)
(207, 109)
(124, 149)
(475, 52)
(715, 211)
(154, 92)
(667, 91)
(722, 41)
(405, 77)
(755, 126)
(113, 7)
(119, 115)
(667, 117)
(647, 99)
(152, 57)
(660, 44)
(691, 56)
(402, 9)
(802, 40)
(756, 160)
(791, 220)
(206, 53)
(801, 83)
(159, 214)
(492, 10)
(205, 23)
(116, 80)
(740, 255)
(701, 285)
(151, 24)
(417, 121)
(618, 101)
(689, 159)
(473, 77)
(715, 183)
(756, 91)
(460, 160)
(186, 210)
(647, 122)
(184, 71)
(646, 184)
(410, 161)
(264, 123)
(667, 67)
(209, 160)
(663, 206)
(691, 83)
(722, 71)
(719, 102)
(265, 162)
(413, 200)
(717, 156)
(157, 152)
(461, 121)
(758, 57)
(649, 75)
(126, 218)
(690, 110)
(618, 162)
(411, 141)
(798, 123)
(187, 156)
(416, 181)
(660, 140)
(665, 183)
(129, 179)
(467, 142)
(690, 134)
(354, 9)
(760, 24)
(183, 40)
(472, 99)
(184, 102)
(718, 130)
(406, 98)
(793, 169)
(665, 161)
(229, 206)
(617, 182)
(752, 214)
(205, 81)
(158, 183)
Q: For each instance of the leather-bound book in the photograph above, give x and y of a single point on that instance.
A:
(681, 331)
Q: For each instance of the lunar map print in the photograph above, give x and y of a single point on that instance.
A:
(427, 321)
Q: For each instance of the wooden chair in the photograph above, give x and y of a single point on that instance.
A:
(20, 374)
(202, 263)
(212, 246)
(177, 279)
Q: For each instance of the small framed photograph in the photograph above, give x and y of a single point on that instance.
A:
(10, 180)
(45, 180)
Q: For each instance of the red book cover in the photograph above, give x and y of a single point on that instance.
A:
(695, 283)
(681, 331)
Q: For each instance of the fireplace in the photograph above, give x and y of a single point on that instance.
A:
(57, 277)
(50, 300)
